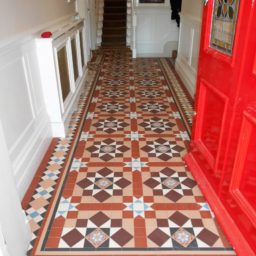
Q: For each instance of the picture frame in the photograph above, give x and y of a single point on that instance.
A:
(151, 1)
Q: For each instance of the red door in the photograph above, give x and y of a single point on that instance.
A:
(223, 147)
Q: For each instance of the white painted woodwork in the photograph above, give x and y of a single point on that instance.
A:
(22, 110)
(99, 19)
(156, 34)
(133, 28)
(189, 43)
(84, 13)
(93, 23)
(15, 233)
(59, 110)
(129, 23)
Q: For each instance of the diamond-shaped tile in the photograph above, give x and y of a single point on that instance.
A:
(158, 237)
(73, 237)
(97, 237)
(183, 237)
(122, 237)
(99, 219)
(179, 218)
(208, 237)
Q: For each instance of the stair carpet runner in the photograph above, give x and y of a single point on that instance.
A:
(114, 23)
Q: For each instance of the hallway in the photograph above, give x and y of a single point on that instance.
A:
(118, 185)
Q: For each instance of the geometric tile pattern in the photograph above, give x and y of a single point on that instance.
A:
(157, 125)
(163, 149)
(103, 184)
(97, 232)
(110, 125)
(118, 183)
(171, 184)
(180, 231)
(107, 149)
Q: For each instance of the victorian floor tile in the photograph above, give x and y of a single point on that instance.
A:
(118, 185)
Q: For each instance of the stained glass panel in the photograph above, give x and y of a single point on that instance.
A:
(224, 25)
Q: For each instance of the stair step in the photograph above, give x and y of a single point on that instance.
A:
(107, 36)
(114, 23)
(115, 2)
(114, 30)
(113, 44)
(114, 16)
(113, 36)
(115, 9)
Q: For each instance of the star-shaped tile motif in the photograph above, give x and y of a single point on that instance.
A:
(134, 136)
(65, 206)
(171, 184)
(147, 82)
(138, 207)
(179, 231)
(150, 94)
(163, 149)
(156, 124)
(104, 184)
(114, 93)
(136, 164)
(112, 107)
(110, 125)
(153, 107)
(115, 82)
(107, 149)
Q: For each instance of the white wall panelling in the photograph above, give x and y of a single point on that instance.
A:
(22, 110)
(15, 233)
(156, 34)
(59, 110)
(187, 60)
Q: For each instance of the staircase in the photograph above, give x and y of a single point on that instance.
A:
(114, 23)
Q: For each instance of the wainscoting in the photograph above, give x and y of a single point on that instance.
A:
(188, 50)
(157, 34)
(22, 110)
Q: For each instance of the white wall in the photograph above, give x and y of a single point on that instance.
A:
(17, 16)
(22, 108)
(189, 42)
(157, 35)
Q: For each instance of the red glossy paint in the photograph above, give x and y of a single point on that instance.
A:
(223, 147)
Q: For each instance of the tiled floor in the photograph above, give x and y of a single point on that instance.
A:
(118, 185)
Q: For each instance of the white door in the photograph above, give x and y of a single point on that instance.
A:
(15, 233)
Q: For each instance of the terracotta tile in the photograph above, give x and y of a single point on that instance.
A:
(128, 183)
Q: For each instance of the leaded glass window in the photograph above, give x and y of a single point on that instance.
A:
(224, 25)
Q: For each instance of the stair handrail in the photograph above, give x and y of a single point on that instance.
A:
(134, 25)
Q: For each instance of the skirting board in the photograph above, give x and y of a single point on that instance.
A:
(187, 77)
(233, 233)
